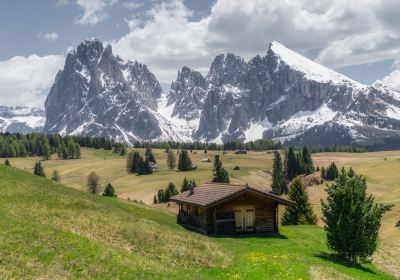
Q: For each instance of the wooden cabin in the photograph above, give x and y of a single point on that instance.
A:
(224, 209)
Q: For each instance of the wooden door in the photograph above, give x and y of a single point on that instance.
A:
(249, 218)
(244, 218)
(238, 219)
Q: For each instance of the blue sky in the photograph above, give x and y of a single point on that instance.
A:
(360, 39)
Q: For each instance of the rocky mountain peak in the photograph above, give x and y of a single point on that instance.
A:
(226, 69)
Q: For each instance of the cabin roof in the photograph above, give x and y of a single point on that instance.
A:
(211, 194)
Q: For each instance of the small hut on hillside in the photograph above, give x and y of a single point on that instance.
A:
(222, 209)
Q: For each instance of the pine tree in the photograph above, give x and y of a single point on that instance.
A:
(331, 172)
(302, 213)
(56, 176)
(149, 155)
(317, 169)
(185, 185)
(308, 165)
(123, 150)
(323, 172)
(7, 162)
(220, 175)
(352, 219)
(38, 169)
(93, 183)
(71, 151)
(184, 164)
(46, 150)
(170, 191)
(279, 184)
(135, 162)
(291, 164)
(77, 151)
(109, 191)
(161, 196)
(129, 162)
(171, 160)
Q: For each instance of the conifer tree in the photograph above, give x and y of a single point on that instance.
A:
(129, 162)
(279, 184)
(109, 191)
(93, 183)
(171, 160)
(149, 155)
(170, 191)
(331, 172)
(123, 150)
(46, 150)
(291, 164)
(38, 169)
(308, 165)
(217, 162)
(185, 185)
(155, 199)
(220, 175)
(323, 172)
(56, 176)
(77, 151)
(135, 162)
(184, 164)
(161, 196)
(352, 219)
(302, 213)
(7, 162)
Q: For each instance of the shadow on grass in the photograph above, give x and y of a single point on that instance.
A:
(275, 235)
(335, 258)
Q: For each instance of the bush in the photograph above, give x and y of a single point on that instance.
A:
(109, 191)
(236, 168)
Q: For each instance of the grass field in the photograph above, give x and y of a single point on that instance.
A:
(48, 231)
(380, 168)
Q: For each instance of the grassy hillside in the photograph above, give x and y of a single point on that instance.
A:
(48, 231)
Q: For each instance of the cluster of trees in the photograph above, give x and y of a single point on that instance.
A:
(344, 149)
(93, 186)
(36, 144)
(220, 175)
(120, 148)
(258, 145)
(297, 162)
(95, 142)
(171, 190)
(136, 164)
(330, 173)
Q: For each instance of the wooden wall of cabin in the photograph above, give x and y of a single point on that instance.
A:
(193, 216)
(265, 213)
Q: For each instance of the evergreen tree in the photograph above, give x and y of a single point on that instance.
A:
(317, 169)
(291, 164)
(129, 162)
(331, 172)
(64, 153)
(149, 155)
(71, 151)
(144, 167)
(155, 199)
(185, 185)
(93, 183)
(279, 184)
(184, 164)
(109, 191)
(161, 196)
(170, 191)
(220, 175)
(323, 172)
(77, 151)
(302, 213)
(46, 150)
(171, 160)
(56, 176)
(38, 169)
(123, 150)
(7, 162)
(308, 165)
(136, 162)
(352, 219)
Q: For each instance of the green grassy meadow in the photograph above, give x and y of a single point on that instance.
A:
(49, 231)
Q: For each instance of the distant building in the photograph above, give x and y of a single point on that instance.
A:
(205, 160)
(229, 209)
(239, 152)
(153, 166)
(194, 166)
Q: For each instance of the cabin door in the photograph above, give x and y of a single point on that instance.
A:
(244, 218)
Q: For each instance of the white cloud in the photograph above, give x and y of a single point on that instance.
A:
(346, 31)
(27, 80)
(393, 79)
(94, 11)
(132, 5)
(52, 36)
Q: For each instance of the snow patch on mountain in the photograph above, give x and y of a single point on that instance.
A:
(256, 130)
(21, 119)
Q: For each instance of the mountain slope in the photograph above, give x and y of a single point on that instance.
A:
(21, 119)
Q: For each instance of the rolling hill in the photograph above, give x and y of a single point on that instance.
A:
(48, 231)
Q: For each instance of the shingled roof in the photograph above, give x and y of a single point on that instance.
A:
(211, 194)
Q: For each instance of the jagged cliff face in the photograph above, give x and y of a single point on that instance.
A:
(99, 94)
(281, 95)
(286, 96)
(21, 119)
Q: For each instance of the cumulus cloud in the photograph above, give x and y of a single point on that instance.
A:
(52, 36)
(132, 5)
(343, 32)
(393, 79)
(94, 11)
(26, 80)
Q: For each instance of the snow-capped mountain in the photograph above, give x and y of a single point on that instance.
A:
(21, 119)
(280, 95)
(98, 93)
